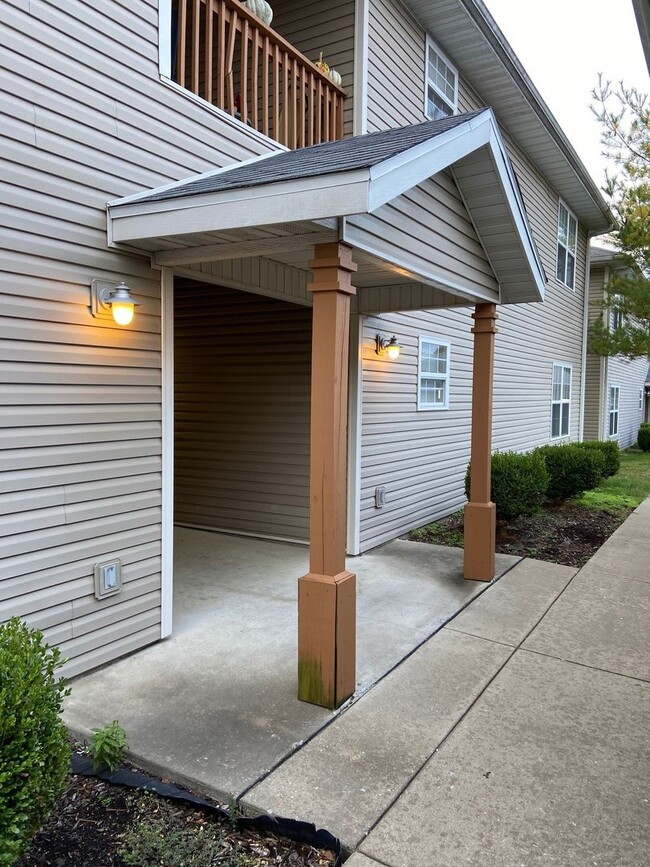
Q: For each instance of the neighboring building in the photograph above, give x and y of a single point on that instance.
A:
(615, 389)
(485, 204)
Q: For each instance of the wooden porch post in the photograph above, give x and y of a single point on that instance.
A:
(326, 595)
(480, 512)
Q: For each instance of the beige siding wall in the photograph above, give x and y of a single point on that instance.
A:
(603, 373)
(421, 456)
(327, 26)
(242, 379)
(85, 119)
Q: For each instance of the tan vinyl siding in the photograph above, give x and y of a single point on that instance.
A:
(603, 373)
(421, 457)
(396, 46)
(85, 119)
(242, 371)
(327, 26)
(629, 376)
(428, 229)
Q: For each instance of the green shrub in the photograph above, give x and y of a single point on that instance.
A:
(572, 470)
(644, 437)
(519, 483)
(107, 746)
(34, 751)
(611, 453)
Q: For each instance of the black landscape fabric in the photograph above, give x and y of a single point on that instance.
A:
(292, 829)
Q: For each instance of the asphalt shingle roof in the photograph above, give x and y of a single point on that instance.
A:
(358, 152)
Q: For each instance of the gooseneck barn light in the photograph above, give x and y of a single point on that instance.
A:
(390, 347)
(108, 300)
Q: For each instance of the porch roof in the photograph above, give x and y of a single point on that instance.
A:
(315, 194)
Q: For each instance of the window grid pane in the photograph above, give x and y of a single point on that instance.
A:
(441, 86)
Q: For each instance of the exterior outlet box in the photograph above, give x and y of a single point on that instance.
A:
(380, 497)
(108, 578)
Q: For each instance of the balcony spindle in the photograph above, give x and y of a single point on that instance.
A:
(220, 45)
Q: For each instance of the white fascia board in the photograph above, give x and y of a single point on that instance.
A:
(419, 275)
(406, 170)
(517, 209)
(313, 198)
(136, 197)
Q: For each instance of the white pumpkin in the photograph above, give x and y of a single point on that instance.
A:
(335, 77)
(260, 8)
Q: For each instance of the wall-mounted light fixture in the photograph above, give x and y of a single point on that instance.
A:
(108, 300)
(390, 347)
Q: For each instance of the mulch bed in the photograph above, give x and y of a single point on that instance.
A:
(95, 818)
(567, 533)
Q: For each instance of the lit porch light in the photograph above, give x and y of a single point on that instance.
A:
(390, 347)
(116, 301)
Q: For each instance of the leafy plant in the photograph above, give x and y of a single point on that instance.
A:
(34, 751)
(643, 439)
(107, 746)
(519, 483)
(572, 470)
(611, 455)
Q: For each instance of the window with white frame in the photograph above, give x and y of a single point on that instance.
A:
(433, 374)
(441, 84)
(614, 399)
(615, 313)
(561, 401)
(567, 240)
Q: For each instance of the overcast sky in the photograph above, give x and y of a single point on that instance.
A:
(563, 45)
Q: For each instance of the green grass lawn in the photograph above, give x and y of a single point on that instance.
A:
(629, 487)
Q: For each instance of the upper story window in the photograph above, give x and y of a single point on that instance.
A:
(441, 84)
(567, 240)
(433, 374)
(615, 313)
(561, 401)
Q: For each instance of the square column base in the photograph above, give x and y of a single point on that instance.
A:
(326, 638)
(480, 541)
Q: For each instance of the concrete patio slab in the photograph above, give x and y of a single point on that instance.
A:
(215, 705)
(549, 767)
(353, 770)
(511, 607)
(359, 860)
(602, 621)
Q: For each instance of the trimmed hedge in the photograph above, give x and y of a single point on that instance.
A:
(34, 751)
(519, 483)
(643, 439)
(611, 455)
(572, 469)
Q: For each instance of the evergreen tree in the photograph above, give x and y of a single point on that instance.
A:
(624, 114)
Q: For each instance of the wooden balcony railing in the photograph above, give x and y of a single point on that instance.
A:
(228, 56)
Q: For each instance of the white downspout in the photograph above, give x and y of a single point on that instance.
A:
(360, 95)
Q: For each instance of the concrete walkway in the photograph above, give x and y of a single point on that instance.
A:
(518, 735)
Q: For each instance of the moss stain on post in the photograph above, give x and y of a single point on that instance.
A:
(310, 683)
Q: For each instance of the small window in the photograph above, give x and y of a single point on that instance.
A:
(567, 239)
(433, 376)
(614, 399)
(615, 313)
(441, 84)
(561, 401)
